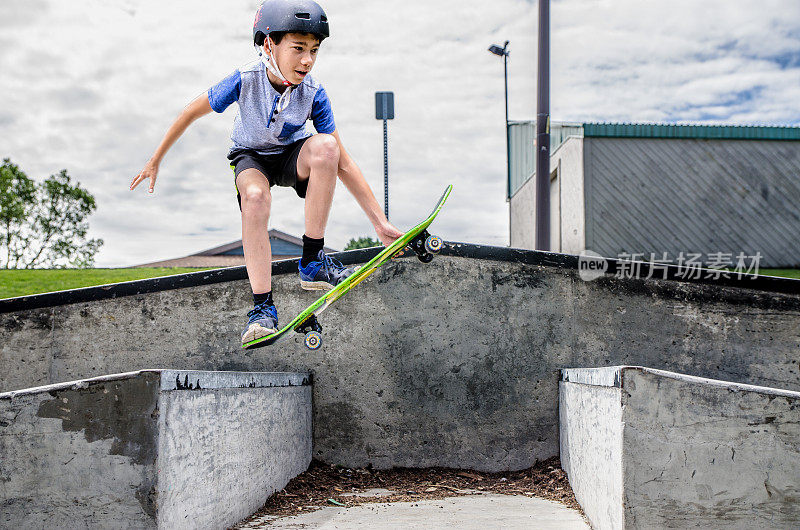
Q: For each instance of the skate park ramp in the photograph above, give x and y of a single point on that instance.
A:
(151, 449)
(648, 448)
(455, 363)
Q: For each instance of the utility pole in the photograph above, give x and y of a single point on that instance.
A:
(543, 131)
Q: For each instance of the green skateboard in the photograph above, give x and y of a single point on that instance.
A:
(418, 239)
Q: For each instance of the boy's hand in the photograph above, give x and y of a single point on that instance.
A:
(387, 233)
(150, 171)
(200, 106)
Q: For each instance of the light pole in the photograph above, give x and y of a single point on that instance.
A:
(543, 130)
(504, 51)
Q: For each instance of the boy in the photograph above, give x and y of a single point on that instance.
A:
(276, 96)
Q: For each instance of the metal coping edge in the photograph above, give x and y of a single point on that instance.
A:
(211, 380)
(180, 380)
(614, 377)
(769, 284)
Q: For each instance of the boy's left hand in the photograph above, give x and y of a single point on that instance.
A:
(387, 233)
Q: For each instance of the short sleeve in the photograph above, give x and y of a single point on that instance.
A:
(221, 95)
(321, 113)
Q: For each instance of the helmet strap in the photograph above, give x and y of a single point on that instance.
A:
(268, 59)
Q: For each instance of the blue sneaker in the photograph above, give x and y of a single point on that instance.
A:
(323, 274)
(263, 321)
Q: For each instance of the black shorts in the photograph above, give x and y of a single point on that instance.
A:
(280, 168)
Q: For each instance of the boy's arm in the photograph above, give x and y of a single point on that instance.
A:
(197, 108)
(355, 182)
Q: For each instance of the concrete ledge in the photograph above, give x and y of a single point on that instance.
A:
(615, 376)
(206, 380)
(455, 249)
(181, 380)
(647, 448)
(151, 449)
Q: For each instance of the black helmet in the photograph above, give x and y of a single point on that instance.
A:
(291, 16)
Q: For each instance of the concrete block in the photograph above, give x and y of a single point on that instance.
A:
(151, 449)
(647, 448)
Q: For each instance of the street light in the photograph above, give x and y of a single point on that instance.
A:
(503, 52)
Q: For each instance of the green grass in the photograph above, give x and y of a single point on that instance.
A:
(22, 282)
(786, 273)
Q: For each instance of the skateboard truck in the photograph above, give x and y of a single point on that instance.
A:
(425, 246)
(312, 330)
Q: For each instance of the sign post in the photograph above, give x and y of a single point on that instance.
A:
(384, 110)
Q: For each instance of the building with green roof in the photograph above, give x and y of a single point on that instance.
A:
(663, 191)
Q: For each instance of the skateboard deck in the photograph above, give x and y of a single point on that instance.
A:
(417, 238)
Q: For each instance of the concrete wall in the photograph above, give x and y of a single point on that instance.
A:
(573, 209)
(590, 423)
(454, 363)
(568, 203)
(522, 220)
(154, 449)
(80, 456)
(693, 452)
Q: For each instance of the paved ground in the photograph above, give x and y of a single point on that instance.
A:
(477, 512)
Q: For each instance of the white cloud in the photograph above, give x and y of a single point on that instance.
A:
(92, 85)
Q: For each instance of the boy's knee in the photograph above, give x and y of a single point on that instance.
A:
(325, 147)
(255, 197)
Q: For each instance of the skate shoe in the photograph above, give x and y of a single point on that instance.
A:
(323, 274)
(263, 321)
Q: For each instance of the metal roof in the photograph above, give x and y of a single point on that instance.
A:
(697, 132)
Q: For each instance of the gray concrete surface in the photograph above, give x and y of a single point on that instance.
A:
(151, 449)
(590, 423)
(454, 363)
(82, 455)
(477, 512)
(647, 448)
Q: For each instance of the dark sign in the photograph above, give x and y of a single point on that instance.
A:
(384, 105)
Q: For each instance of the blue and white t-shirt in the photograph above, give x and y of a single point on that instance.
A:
(258, 125)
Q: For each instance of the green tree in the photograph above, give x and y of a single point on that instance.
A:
(362, 242)
(44, 224)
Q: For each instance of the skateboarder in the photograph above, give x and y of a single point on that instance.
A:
(276, 96)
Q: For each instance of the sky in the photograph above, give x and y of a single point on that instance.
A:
(92, 85)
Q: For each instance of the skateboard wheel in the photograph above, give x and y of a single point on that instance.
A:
(425, 258)
(313, 340)
(433, 244)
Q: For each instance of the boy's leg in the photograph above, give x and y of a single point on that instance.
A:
(256, 203)
(318, 162)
